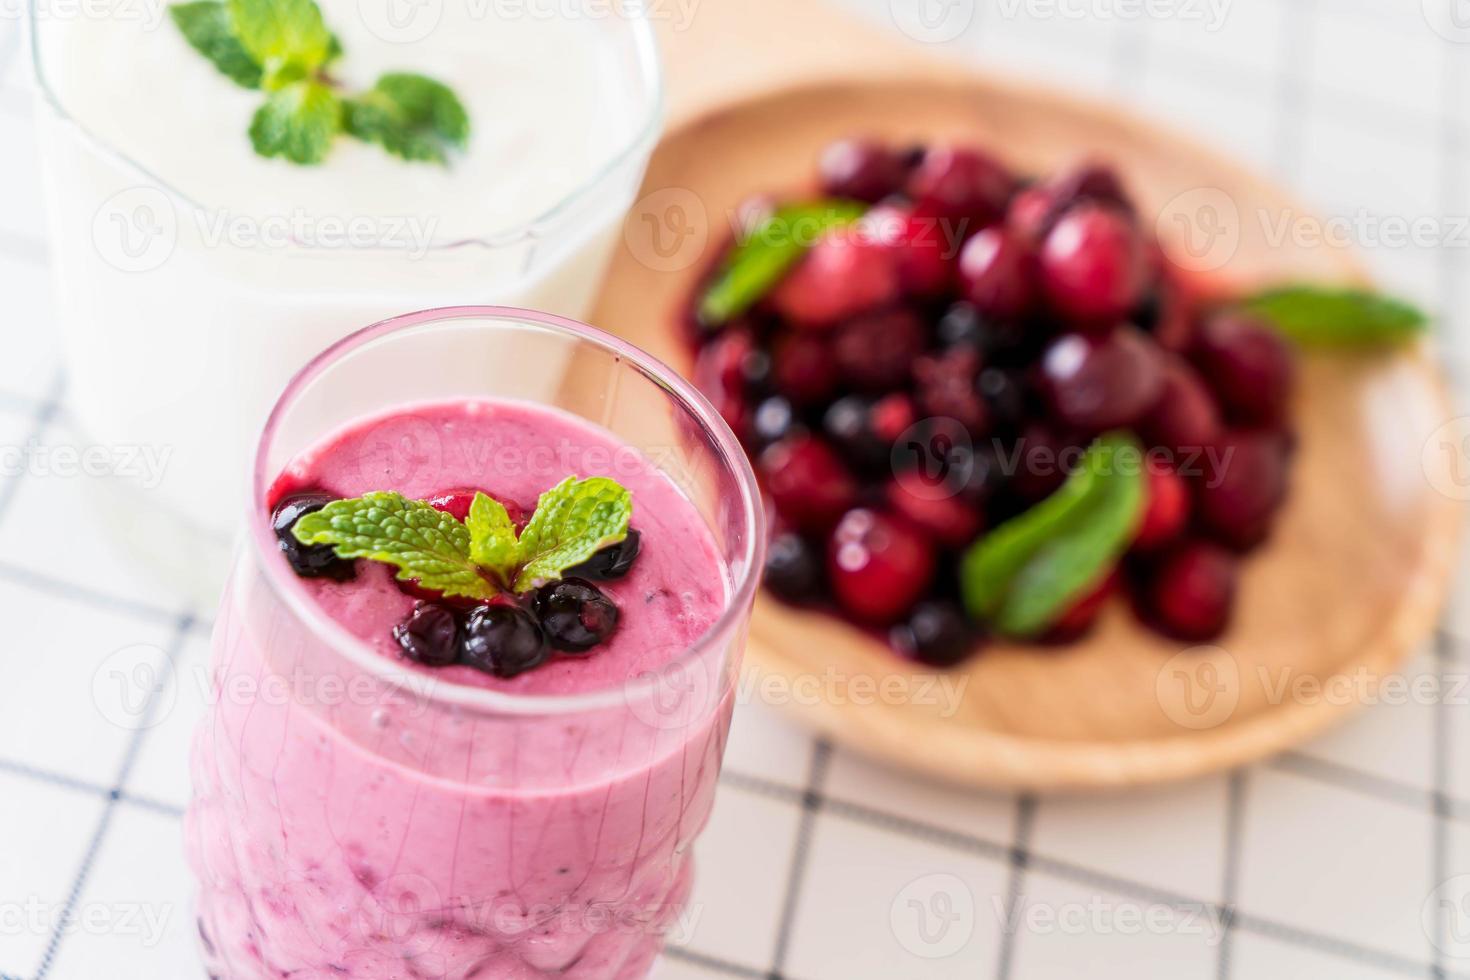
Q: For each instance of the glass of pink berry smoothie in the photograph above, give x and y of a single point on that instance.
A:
(485, 750)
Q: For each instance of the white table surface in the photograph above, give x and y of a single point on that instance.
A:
(1327, 862)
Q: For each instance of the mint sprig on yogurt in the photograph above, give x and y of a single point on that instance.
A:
(284, 49)
(483, 555)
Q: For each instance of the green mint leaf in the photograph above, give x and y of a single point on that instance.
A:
(424, 544)
(287, 38)
(411, 116)
(297, 122)
(493, 543)
(206, 25)
(573, 521)
(759, 262)
(1025, 573)
(1318, 317)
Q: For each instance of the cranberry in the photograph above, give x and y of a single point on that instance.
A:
(719, 373)
(844, 274)
(935, 634)
(429, 636)
(807, 482)
(1092, 265)
(890, 416)
(308, 560)
(921, 250)
(1248, 365)
(936, 511)
(503, 640)
(575, 614)
(1243, 485)
(1191, 591)
(877, 351)
(861, 170)
(1082, 614)
(878, 566)
(614, 561)
(1184, 420)
(1102, 383)
(946, 384)
(793, 571)
(996, 273)
(960, 186)
(457, 503)
(802, 368)
(1166, 508)
(1030, 215)
(1168, 311)
(1089, 181)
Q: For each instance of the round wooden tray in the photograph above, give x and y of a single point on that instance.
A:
(1349, 584)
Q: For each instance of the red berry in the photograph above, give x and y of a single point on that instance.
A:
(960, 185)
(924, 255)
(1080, 617)
(861, 170)
(1089, 181)
(877, 351)
(1248, 365)
(946, 386)
(457, 502)
(935, 510)
(1098, 383)
(1092, 265)
(891, 415)
(844, 274)
(1030, 215)
(719, 373)
(1184, 420)
(996, 274)
(1242, 486)
(807, 482)
(1191, 591)
(879, 567)
(1166, 508)
(803, 368)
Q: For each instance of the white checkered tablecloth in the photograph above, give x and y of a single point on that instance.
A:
(1323, 863)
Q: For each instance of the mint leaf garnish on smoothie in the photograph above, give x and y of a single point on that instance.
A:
(283, 47)
(573, 521)
(493, 542)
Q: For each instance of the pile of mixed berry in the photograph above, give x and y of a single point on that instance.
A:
(504, 636)
(922, 359)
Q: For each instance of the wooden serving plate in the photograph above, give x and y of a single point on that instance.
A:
(1350, 583)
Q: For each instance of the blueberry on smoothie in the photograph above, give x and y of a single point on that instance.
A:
(429, 636)
(575, 614)
(308, 560)
(614, 561)
(503, 640)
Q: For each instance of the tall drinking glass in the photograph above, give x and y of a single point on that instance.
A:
(356, 816)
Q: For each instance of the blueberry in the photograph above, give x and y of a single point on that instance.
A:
(503, 640)
(308, 560)
(848, 424)
(793, 571)
(614, 561)
(935, 633)
(773, 420)
(960, 325)
(429, 635)
(575, 614)
(1003, 393)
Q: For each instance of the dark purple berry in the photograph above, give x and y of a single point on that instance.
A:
(575, 614)
(772, 420)
(503, 640)
(308, 560)
(793, 570)
(962, 325)
(429, 635)
(935, 633)
(848, 424)
(614, 561)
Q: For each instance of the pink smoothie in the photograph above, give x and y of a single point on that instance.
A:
(347, 825)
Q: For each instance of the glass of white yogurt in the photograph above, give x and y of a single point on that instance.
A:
(194, 277)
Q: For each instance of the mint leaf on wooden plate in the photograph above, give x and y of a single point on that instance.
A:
(758, 263)
(297, 122)
(1024, 574)
(1319, 317)
(411, 116)
(573, 521)
(425, 545)
(206, 25)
